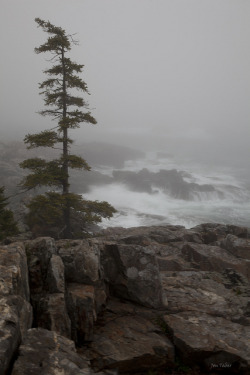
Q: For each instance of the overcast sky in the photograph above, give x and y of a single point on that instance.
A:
(164, 74)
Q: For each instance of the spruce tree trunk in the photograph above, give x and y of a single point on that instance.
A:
(66, 210)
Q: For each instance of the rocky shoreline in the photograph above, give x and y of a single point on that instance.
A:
(147, 300)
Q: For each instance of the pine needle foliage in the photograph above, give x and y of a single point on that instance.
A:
(55, 208)
(8, 226)
(46, 214)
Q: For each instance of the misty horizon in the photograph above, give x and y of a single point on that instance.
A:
(162, 75)
(169, 84)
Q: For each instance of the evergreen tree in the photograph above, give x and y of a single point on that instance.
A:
(8, 226)
(66, 108)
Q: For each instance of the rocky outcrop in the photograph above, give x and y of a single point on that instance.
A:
(47, 286)
(132, 273)
(210, 341)
(205, 278)
(15, 309)
(128, 337)
(86, 291)
(128, 301)
(44, 352)
(82, 311)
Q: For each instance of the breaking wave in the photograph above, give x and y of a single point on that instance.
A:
(227, 202)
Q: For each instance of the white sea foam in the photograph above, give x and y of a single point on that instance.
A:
(229, 203)
(136, 209)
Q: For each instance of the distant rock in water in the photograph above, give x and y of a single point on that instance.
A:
(128, 301)
(172, 182)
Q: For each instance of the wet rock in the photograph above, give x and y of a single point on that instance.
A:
(47, 283)
(52, 314)
(212, 232)
(101, 295)
(10, 334)
(125, 295)
(15, 319)
(172, 263)
(81, 261)
(44, 352)
(42, 248)
(147, 236)
(39, 254)
(15, 310)
(233, 279)
(132, 273)
(82, 313)
(55, 275)
(210, 341)
(170, 258)
(239, 247)
(129, 342)
(206, 292)
(214, 258)
(14, 271)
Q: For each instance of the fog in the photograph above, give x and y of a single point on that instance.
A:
(162, 74)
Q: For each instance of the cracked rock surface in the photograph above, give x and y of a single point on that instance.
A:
(130, 301)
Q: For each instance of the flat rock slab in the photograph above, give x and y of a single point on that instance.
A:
(207, 292)
(46, 353)
(214, 258)
(239, 247)
(157, 234)
(210, 342)
(129, 344)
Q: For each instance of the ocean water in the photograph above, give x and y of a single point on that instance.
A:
(228, 204)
